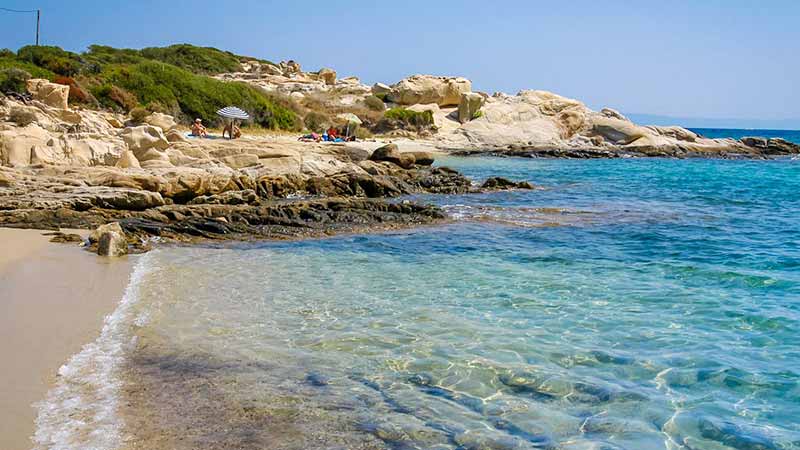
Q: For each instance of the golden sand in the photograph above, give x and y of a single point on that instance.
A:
(53, 298)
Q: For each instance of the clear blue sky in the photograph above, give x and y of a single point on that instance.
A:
(688, 58)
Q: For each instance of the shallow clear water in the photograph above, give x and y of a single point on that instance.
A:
(626, 304)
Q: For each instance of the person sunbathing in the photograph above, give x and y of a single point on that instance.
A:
(198, 129)
(233, 131)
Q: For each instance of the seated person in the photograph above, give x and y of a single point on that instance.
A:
(333, 133)
(233, 131)
(198, 129)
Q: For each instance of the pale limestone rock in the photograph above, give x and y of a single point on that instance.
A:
(175, 135)
(469, 106)
(127, 160)
(16, 144)
(613, 113)
(328, 75)
(51, 94)
(239, 161)
(617, 131)
(147, 143)
(420, 89)
(160, 120)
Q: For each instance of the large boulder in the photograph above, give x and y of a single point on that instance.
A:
(617, 131)
(51, 94)
(444, 91)
(110, 239)
(328, 76)
(146, 142)
(469, 106)
(380, 89)
(391, 153)
(16, 145)
(163, 121)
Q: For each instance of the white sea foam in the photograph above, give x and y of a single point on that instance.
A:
(81, 411)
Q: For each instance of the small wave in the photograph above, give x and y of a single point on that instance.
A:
(81, 411)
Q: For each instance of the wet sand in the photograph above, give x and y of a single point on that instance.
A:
(53, 298)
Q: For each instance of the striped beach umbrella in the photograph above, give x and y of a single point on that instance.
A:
(232, 112)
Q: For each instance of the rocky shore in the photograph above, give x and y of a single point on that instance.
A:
(84, 168)
(94, 169)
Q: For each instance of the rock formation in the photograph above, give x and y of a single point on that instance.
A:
(421, 89)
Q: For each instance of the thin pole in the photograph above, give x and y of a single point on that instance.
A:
(38, 14)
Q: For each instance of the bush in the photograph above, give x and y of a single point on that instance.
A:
(114, 97)
(374, 103)
(206, 60)
(419, 119)
(183, 92)
(138, 114)
(77, 94)
(316, 121)
(6, 53)
(362, 133)
(51, 58)
(477, 115)
(14, 80)
(21, 117)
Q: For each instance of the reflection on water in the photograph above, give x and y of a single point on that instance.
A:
(664, 316)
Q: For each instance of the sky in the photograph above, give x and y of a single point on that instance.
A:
(729, 61)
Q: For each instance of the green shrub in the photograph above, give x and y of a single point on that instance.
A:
(206, 60)
(34, 70)
(13, 80)
(51, 58)
(419, 119)
(21, 117)
(381, 96)
(138, 114)
(362, 133)
(6, 53)
(316, 121)
(477, 115)
(185, 94)
(114, 97)
(374, 103)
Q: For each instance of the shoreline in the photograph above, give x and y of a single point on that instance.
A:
(55, 298)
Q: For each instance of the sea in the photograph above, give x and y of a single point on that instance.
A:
(622, 304)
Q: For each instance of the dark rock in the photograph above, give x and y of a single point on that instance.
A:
(423, 158)
(64, 238)
(500, 183)
(392, 154)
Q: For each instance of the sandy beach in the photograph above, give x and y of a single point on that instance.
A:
(53, 298)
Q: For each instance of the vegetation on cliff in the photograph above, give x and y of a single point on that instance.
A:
(173, 80)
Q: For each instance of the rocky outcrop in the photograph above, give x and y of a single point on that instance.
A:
(51, 94)
(160, 120)
(391, 153)
(500, 183)
(328, 76)
(148, 145)
(421, 89)
(771, 146)
(469, 106)
(127, 160)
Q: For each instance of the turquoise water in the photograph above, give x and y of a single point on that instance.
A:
(736, 133)
(640, 304)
